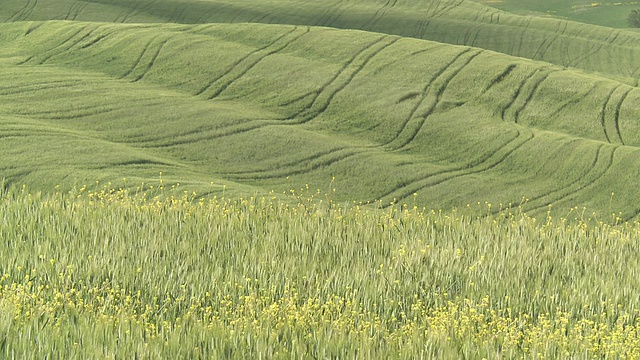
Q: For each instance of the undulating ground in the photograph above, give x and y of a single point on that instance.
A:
(318, 179)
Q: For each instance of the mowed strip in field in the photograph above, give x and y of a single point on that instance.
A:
(611, 52)
(265, 107)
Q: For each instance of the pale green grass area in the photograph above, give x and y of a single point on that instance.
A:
(604, 13)
(263, 278)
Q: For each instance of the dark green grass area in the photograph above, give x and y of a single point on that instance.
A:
(256, 107)
(611, 52)
(605, 13)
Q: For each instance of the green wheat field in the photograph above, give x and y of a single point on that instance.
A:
(339, 179)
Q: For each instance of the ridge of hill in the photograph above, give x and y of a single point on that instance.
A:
(611, 52)
(254, 106)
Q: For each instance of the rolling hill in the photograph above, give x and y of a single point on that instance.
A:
(502, 108)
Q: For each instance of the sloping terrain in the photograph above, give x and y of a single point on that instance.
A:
(258, 107)
(612, 52)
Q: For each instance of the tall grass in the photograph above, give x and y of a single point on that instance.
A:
(101, 272)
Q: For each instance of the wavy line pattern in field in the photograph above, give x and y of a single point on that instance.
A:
(24, 12)
(486, 162)
(568, 193)
(594, 171)
(243, 65)
(533, 74)
(341, 80)
(535, 84)
(67, 45)
(413, 129)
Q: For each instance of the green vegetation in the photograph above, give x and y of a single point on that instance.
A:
(634, 18)
(389, 117)
(259, 277)
(191, 121)
(609, 13)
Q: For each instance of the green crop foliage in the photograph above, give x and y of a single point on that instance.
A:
(162, 160)
(160, 272)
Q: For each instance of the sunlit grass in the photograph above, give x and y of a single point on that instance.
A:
(110, 272)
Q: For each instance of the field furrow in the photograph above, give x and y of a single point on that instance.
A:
(602, 165)
(422, 96)
(244, 64)
(531, 75)
(534, 85)
(152, 61)
(342, 79)
(437, 97)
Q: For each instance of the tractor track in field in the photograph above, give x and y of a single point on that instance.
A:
(534, 88)
(503, 111)
(75, 10)
(67, 46)
(139, 59)
(328, 21)
(327, 13)
(322, 98)
(33, 27)
(487, 162)
(306, 166)
(69, 115)
(424, 93)
(152, 62)
(257, 53)
(573, 101)
(422, 118)
(594, 49)
(283, 166)
(55, 48)
(342, 79)
(379, 14)
(498, 79)
(445, 9)
(585, 182)
(33, 87)
(24, 12)
(603, 112)
(616, 115)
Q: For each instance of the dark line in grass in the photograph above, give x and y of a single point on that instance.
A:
(75, 43)
(381, 12)
(311, 113)
(253, 64)
(425, 92)
(305, 166)
(57, 46)
(518, 90)
(604, 110)
(239, 61)
(617, 114)
(535, 87)
(139, 59)
(152, 62)
(583, 176)
(33, 27)
(16, 15)
(439, 92)
(476, 167)
(573, 101)
(566, 196)
(448, 8)
(498, 79)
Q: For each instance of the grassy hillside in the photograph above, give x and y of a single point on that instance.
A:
(613, 53)
(613, 14)
(395, 119)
